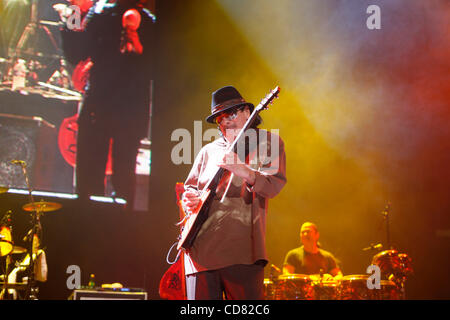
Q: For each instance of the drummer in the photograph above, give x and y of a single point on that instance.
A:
(309, 258)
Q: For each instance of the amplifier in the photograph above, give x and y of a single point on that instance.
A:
(121, 294)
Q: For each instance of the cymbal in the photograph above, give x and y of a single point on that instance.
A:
(18, 250)
(3, 189)
(42, 206)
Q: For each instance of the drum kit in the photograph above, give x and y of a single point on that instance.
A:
(8, 249)
(394, 266)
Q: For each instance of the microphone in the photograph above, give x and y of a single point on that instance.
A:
(373, 246)
(20, 162)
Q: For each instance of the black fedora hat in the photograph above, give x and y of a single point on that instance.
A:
(226, 98)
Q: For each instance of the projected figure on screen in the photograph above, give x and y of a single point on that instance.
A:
(117, 39)
(309, 258)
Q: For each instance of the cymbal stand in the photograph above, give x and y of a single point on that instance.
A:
(30, 29)
(402, 288)
(30, 38)
(31, 293)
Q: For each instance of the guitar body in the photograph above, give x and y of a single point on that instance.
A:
(194, 221)
(172, 285)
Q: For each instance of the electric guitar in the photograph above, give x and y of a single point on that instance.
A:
(172, 285)
(193, 221)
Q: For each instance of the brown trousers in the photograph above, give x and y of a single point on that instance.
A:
(236, 282)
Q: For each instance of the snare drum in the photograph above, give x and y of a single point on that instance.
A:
(6, 244)
(294, 287)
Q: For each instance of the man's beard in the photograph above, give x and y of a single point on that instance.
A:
(231, 131)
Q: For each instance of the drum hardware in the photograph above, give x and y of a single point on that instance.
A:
(6, 242)
(269, 289)
(372, 246)
(6, 246)
(36, 209)
(32, 26)
(26, 47)
(273, 269)
(13, 285)
(395, 266)
(41, 206)
(18, 250)
(270, 283)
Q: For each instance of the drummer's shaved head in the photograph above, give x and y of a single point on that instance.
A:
(309, 224)
(309, 235)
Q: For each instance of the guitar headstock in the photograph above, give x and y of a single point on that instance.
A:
(268, 99)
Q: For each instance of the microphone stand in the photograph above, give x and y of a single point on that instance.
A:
(31, 293)
(385, 214)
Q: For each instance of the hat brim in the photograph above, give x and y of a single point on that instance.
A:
(213, 116)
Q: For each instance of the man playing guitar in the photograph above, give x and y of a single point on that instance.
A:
(227, 257)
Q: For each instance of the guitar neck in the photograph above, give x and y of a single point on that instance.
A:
(247, 125)
(214, 181)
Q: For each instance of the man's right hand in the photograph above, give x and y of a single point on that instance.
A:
(191, 200)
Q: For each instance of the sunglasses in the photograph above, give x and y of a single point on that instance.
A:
(229, 115)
